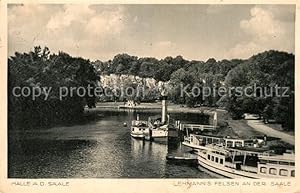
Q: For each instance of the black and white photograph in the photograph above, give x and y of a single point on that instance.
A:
(150, 91)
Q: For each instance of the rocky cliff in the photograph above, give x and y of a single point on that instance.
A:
(116, 81)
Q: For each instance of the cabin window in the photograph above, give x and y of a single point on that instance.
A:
(132, 129)
(208, 157)
(217, 159)
(229, 144)
(263, 170)
(273, 162)
(209, 140)
(273, 171)
(238, 144)
(212, 158)
(284, 163)
(293, 173)
(292, 163)
(221, 161)
(283, 172)
(263, 161)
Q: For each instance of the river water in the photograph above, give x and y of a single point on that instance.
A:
(99, 148)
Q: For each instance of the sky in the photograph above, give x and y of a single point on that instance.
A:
(196, 32)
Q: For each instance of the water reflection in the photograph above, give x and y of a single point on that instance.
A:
(101, 148)
(148, 158)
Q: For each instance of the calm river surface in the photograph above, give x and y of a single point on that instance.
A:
(101, 148)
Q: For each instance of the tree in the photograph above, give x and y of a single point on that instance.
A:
(265, 70)
(38, 69)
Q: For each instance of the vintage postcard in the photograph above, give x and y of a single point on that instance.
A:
(152, 96)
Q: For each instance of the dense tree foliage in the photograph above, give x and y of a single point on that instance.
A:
(196, 75)
(175, 70)
(38, 69)
(142, 67)
(266, 71)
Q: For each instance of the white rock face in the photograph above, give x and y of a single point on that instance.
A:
(114, 80)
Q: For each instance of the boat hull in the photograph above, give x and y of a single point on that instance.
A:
(160, 135)
(139, 132)
(195, 147)
(137, 136)
(224, 171)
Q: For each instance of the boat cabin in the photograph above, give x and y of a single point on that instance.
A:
(139, 128)
(277, 165)
(200, 140)
(247, 163)
(230, 142)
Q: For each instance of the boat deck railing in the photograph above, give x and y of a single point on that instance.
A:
(200, 127)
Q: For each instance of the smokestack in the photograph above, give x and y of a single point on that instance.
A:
(164, 110)
(215, 121)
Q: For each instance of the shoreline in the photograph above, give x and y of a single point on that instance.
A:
(240, 128)
(175, 108)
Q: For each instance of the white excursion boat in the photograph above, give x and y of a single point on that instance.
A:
(198, 141)
(149, 131)
(240, 158)
(242, 162)
(155, 129)
(160, 131)
(139, 128)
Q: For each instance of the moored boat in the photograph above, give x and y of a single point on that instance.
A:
(241, 162)
(160, 131)
(197, 141)
(139, 128)
(156, 128)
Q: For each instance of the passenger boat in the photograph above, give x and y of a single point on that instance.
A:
(156, 128)
(130, 104)
(243, 162)
(152, 131)
(160, 131)
(198, 141)
(139, 128)
(195, 141)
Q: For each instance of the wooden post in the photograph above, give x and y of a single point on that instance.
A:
(233, 157)
(245, 155)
